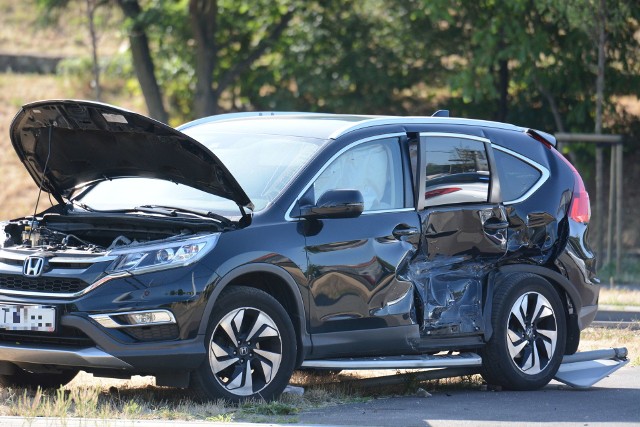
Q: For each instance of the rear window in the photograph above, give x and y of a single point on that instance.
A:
(516, 176)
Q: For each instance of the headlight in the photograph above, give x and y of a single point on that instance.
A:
(147, 258)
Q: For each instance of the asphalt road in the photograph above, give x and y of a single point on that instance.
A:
(613, 401)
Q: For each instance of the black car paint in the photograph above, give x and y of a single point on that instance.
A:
(84, 157)
(353, 292)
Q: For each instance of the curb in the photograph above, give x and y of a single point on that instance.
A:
(632, 326)
(618, 316)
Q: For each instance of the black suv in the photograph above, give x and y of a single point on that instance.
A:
(225, 254)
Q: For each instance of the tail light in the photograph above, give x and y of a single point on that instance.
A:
(580, 209)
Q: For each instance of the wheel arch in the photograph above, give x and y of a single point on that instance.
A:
(278, 283)
(566, 290)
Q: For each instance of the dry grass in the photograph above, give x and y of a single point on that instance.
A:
(619, 297)
(17, 190)
(597, 338)
(22, 32)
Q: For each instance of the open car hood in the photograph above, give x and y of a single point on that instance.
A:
(66, 144)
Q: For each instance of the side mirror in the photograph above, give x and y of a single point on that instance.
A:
(335, 204)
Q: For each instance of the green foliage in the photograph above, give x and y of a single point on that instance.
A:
(116, 66)
(522, 61)
(344, 56)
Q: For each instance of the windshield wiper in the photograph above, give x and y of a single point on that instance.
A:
(81, 205)
(174, 211)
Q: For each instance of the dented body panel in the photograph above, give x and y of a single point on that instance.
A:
(445, 278)
(449, 273)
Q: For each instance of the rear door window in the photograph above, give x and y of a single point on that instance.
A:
(457, 170)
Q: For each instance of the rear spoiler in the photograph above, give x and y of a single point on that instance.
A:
(543, 137)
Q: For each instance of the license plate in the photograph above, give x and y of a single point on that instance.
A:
(27, 318)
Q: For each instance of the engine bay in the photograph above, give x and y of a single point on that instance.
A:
(95, 233)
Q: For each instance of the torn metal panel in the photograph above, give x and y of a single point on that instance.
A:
(533, 237)
(453, 305)
(458, 250)
(584, 369)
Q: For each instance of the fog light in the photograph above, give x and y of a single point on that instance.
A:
(134, 318)
(148, 317)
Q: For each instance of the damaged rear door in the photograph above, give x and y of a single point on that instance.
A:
(464, 230)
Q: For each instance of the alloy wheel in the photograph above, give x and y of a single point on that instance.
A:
(245, 351)
(531, 333)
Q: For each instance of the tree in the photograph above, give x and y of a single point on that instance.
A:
(202, 46)
(351, 56)
(203, 15)
(51, 12)
(142, 59)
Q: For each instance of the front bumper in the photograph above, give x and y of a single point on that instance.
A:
(51, 355)
(142, 358)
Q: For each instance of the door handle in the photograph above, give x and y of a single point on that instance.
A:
(404, 231)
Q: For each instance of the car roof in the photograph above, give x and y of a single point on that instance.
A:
(324, 126)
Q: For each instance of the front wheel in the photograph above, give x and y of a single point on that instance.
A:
(251, 348)
(529, 334)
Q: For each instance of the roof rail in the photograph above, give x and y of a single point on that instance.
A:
(242, 115)
(391, 120)
(441, 113)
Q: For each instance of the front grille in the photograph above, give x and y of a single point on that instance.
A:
(153, 333)
(65, 336)
(56, 285)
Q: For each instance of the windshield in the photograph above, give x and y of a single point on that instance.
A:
(263, 165)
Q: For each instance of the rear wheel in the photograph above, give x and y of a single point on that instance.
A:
(22, 378)
(529, 334)
(251, 348)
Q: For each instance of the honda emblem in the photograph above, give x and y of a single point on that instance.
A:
(33, 266)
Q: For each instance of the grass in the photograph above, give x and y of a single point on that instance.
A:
(23, 32)
(597, 338)
(629, 271)
(90, 397)
(18, 192)
(620, 297)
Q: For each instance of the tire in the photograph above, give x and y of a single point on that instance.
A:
(251, 348)
(22, 378)
(529, 334)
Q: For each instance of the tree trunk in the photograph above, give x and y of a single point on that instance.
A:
(602, 40)
(242, 65)
(203, 16)
(503, 90)
(91, 14)
(142, 61)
